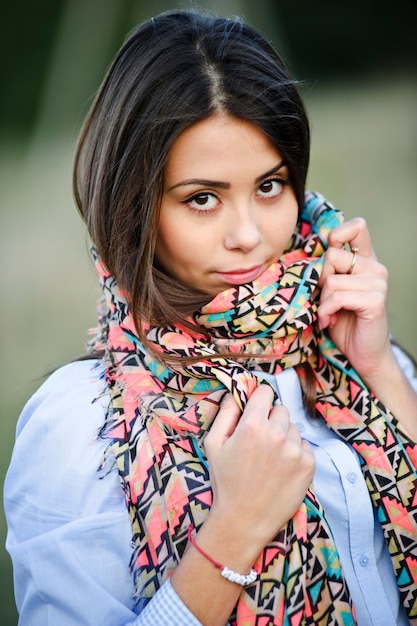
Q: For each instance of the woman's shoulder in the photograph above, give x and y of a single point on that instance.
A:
(59, 428)
(75, 389)
(66, 520)
(85, 374)
(59, 432)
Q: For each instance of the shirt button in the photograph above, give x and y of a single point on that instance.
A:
(364, 560)
(300, 426)
(352, 477)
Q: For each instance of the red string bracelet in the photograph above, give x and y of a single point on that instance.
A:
(226, 572)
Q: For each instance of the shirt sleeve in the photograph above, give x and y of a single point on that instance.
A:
(69, 534)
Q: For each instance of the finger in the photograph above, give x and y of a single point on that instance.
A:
(308, 448)
(259, 404)
(339, 261)
(280, 416)
(308, 451)
(293, 436)
(369, 306)
(355, 233)
(226, 420)
(360, 280)
(345, 262)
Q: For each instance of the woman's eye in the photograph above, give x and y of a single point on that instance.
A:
(270, 188)
(202, 202)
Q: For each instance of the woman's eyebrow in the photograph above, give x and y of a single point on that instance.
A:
(201, 181)
(220, 184)
(273, 170)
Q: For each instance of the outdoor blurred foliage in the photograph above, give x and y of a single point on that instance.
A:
(357, 61)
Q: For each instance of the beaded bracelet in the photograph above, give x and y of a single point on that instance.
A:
(226, 572)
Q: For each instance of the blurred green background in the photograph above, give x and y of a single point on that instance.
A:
(357, 61)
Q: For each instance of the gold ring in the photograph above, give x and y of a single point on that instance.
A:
(355, 254)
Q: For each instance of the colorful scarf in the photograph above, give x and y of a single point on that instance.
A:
(158, 417)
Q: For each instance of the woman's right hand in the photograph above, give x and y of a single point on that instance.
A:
(260, 469)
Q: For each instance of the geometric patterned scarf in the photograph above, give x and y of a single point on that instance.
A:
(158, 416)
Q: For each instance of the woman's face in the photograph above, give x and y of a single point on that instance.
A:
(228, 210)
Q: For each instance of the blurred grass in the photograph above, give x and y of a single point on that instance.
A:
(364, 160)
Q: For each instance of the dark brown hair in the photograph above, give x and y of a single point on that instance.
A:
(173, 71)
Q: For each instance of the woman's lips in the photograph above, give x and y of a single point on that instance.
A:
(241, 276)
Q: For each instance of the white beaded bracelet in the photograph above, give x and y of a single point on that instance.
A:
(226, 572)
(240, 579)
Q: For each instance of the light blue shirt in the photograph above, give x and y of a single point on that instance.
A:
(69, 533)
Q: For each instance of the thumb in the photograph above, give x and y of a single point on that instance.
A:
(226, 420)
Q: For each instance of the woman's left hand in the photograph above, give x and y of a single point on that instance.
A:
(353, 298)
(352, 307)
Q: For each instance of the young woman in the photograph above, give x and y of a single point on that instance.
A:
(239, 447)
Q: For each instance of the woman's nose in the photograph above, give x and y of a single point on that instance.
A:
(243, 231)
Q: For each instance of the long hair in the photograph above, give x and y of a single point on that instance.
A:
(173, 71)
